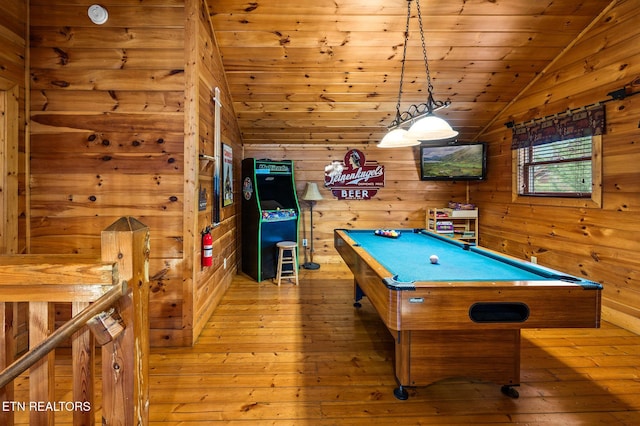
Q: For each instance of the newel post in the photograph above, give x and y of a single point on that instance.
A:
(125, 366)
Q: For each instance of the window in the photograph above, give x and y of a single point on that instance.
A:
(556, 169)
(557, 160)
(563, 173)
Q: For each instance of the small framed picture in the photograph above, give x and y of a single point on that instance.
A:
(227, 175)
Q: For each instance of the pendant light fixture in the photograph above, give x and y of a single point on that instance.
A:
(425, 126)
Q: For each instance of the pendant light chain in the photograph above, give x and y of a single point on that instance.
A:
(424, 125)
(404, 58)
(431, 102)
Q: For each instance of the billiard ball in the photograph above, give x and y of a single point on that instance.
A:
(433, 259)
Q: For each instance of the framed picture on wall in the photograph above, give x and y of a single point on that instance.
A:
(227, 175)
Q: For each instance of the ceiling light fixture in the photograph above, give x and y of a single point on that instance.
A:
(98, 14)
(425, 126)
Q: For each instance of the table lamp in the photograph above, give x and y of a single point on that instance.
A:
(311, 194)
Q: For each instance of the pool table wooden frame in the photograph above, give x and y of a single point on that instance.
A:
(435, 338)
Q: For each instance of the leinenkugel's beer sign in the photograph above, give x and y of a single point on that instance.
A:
(355, 178)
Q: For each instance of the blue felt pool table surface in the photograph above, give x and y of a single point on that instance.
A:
(407, 259)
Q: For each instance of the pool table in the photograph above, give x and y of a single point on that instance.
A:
(460, 316)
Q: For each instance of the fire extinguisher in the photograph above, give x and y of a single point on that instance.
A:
(207, 247)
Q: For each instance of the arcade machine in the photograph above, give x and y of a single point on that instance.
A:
(270, 213)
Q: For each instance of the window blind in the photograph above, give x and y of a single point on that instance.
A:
(562, 168)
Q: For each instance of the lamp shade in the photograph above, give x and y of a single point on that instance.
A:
(311, 192)
(397, 138)
(431, 128)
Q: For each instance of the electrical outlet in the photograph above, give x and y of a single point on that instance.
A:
(304, 242)
(224, 263)
(534, 259)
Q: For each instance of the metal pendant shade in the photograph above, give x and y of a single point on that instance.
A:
(425, 126)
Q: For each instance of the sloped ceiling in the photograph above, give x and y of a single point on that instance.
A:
(328, 71)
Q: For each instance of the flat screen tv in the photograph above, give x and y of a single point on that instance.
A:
(453, 161)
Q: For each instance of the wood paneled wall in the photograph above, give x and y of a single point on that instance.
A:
(13, 144)
(400, 204)
(600, 244)
(13, 35)
(107, 135)
(119, 114)
(211, 283)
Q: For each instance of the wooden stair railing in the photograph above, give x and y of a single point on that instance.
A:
(120, 280)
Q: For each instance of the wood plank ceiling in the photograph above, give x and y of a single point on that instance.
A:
(328, 71)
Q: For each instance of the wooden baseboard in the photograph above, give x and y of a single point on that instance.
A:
(621, 319)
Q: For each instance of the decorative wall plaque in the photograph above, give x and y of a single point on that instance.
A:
(354, 178)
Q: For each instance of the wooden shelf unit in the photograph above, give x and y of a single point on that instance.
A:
(458, 224)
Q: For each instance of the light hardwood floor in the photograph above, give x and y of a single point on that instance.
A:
(305, 356)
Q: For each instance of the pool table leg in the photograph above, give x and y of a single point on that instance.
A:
(401, 393)
(358, 294)
(423, 357)
(510, 391)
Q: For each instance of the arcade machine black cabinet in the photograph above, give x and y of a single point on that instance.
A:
(270, 214)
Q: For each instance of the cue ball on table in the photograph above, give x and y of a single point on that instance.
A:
(433, 259)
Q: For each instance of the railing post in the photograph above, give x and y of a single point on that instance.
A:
(41, 374)
(6, 357)
(83, 360)
(125, 367)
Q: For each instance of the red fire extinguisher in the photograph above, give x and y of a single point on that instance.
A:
(207, 247)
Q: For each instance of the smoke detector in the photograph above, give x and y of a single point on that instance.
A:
(98, 14)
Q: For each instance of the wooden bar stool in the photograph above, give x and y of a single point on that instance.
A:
(284, 259)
